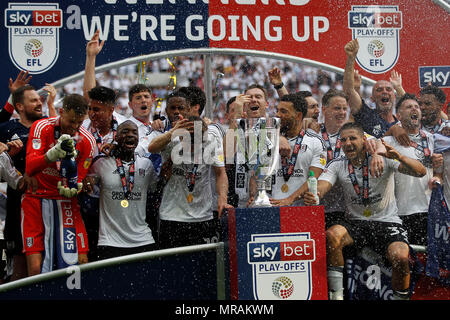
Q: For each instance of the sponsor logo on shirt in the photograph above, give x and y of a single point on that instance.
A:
(120, 195)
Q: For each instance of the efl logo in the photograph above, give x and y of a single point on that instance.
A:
(33, 32)
(439, 76)
(377, 30)
(285, 255)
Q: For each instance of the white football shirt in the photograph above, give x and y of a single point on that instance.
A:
(382, 203)
(119, 226)
(412, 193)
(312, 153)
(174, 203)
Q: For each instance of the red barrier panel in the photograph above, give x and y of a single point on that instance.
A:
(428, 288)
(277, 253)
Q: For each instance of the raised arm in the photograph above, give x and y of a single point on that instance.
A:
(396, 81)
(355, 102)
(51, 99)
(277, 82)
(161, 141)
(22, 79)
(93, 48)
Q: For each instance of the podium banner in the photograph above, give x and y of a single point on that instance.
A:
(276, 253)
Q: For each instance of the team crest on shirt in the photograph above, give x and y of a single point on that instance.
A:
(36, 144)
(426, 161)
(29, 242)
(141, 172)
(377, 130)
(419, 154)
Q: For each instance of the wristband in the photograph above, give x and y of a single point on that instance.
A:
(279, 86)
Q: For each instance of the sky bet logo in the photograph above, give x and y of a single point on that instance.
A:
(275, 255)
(69, 235)
(33, 18)
(281, 251)
(391, 20)
(439, 76)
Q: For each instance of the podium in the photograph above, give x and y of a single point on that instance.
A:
(275, 253)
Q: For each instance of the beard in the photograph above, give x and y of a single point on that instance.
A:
(33, 116)
(286, 125)
(429, 119)
(385, 109)
(411, 122)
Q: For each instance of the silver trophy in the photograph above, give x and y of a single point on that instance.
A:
(257, 156)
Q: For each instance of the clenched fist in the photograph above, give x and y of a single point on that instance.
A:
(351, 48)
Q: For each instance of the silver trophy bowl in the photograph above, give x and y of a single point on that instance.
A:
(258, 146)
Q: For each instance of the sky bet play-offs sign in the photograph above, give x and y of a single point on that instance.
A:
(276, 253)
(377, 30)
(281, 265)
(33, 35)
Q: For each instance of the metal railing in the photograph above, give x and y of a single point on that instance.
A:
(217, 247)
(220, 267)
(417, 248)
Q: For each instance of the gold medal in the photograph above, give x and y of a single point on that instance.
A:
(285, 188)
(190, 198)
(367, 213)
(124, 203)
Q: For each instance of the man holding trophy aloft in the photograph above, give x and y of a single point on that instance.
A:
(261, 167)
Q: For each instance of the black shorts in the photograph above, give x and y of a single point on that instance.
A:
(331, 218)
(417, 226)
(375, 234)
(178, 234)
(107, 252)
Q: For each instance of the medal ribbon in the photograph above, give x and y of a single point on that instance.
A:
(242, 144)
(190, 178)
(98, 137)
(241, 160)
(126, 186)
(337, 148)
(423, 147)
(288, 168)
(351, 173)
(435, 128)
